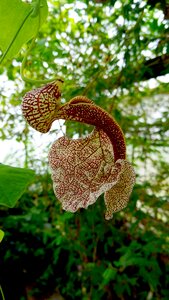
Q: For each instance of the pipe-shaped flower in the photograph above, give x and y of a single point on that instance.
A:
(83, 169)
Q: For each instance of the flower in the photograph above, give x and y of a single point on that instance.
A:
(83, 169)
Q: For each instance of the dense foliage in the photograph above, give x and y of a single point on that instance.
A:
(114, 52)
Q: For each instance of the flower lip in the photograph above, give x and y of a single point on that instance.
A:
(83, 169)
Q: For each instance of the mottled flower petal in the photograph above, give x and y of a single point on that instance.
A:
(40, 105)
(82, 169)
(118, 196)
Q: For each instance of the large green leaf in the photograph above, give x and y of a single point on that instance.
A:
(19, 22)
(13, 182)
(1, 235)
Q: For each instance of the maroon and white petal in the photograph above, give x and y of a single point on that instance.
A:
(118, 196)
(81, 169)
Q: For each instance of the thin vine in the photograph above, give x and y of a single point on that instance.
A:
(32, 44)
(2, 294)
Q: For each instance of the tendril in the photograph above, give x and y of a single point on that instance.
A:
(31, 46)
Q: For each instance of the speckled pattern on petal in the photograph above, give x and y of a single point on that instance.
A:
(81, 169)
(39, 106)
(118, 196)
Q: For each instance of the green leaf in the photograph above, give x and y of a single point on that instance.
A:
(19, 22)
(13, 182)
(108, 275)
(1, 235)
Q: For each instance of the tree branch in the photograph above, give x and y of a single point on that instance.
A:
(154, 67)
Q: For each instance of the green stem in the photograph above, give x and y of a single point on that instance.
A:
(34, 11)
(23, 65)
(29, 80)
(26, 141)
(2, 294)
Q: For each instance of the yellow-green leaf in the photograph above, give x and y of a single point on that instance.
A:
(1, 235)
(13, 182)
(19, 22)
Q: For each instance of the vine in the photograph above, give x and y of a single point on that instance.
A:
(2, 294)
(35, 13)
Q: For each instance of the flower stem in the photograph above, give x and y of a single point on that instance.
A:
(30, 80)
(23, 65)
(2, 294)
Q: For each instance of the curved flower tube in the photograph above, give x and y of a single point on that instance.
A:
(83, 169)
(83, 110)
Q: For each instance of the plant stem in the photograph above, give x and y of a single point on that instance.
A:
(2, 294)
(29, 80)
(24, 78)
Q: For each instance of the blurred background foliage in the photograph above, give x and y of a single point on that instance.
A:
(117, 54)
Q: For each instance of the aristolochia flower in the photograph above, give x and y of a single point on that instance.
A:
(83, 169)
